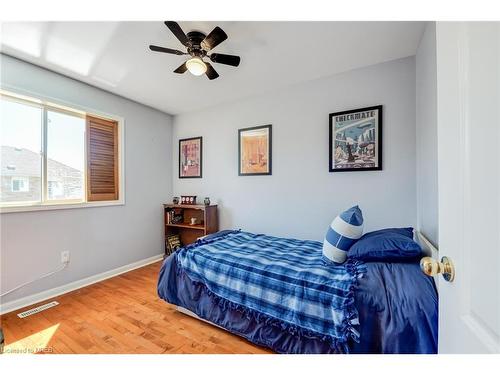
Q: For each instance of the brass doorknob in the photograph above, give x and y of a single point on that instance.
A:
(432, 267)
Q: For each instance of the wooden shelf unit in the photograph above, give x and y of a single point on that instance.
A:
(207, 221)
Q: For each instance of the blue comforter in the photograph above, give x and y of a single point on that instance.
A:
(398, 310)
(278, 293)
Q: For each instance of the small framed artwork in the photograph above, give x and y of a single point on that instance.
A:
(356, 140)
(255, 151)
(190, 157)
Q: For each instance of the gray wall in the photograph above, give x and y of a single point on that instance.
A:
(301, 197)
(99, 238)
(426, 109)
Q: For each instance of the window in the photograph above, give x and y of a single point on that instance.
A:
(20, 142)
(65, 156)
(55, 190)
(54, 155)
(20, 184)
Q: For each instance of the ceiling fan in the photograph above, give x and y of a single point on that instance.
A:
(198, 45)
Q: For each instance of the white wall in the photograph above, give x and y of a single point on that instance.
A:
(99, 238)
(301, 197)
(426, 110)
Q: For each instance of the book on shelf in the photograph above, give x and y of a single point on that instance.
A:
(173, 217)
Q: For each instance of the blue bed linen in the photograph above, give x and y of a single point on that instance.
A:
(396, 302)
(398, 310)
(281, 283)
(389, 245)
(181, 291)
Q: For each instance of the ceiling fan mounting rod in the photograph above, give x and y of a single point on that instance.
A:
(195, 39)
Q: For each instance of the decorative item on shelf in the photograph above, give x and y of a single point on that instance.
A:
(174, 215)
(177, 218)
(175, 200)
(172, 243)
(206, 201)
(188, 199)
(194, 221)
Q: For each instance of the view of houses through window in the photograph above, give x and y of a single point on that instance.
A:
(65, 156)
(38, 169)
(20, 184)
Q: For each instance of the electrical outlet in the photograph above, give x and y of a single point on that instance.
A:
(64, 256)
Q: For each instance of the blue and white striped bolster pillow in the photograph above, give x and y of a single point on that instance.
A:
(344, 231)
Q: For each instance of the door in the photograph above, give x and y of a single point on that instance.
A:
(468, 85)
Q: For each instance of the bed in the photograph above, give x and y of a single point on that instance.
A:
(279, 293)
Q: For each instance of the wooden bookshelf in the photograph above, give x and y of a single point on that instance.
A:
(207, 221)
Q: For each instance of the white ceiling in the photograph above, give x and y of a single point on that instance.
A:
(115, 56)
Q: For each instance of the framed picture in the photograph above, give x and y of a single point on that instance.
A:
(356, 140)
(190, 157)
(255, 151)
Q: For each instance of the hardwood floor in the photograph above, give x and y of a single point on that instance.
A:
(118, 315)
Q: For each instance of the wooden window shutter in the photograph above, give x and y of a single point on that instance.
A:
(102, 159)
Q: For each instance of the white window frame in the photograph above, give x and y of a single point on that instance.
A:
(49, 103)
(26, 184)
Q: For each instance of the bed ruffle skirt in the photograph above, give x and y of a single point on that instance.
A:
(177, 288)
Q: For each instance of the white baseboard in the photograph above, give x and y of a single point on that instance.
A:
(51, 293)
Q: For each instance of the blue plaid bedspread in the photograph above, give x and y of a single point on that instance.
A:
(284, 281)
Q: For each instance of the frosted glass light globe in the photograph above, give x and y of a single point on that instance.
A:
(196, 66)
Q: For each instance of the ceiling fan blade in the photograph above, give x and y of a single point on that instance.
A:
(216, 37)
(181, 69)
(225, 59)
(166, 50)
(211, 73)
(177, 31)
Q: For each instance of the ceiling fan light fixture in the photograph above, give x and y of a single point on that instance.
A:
(196, 66)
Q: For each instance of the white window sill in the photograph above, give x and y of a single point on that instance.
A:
(58, 206)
